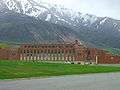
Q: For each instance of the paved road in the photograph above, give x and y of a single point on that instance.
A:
(109, 81)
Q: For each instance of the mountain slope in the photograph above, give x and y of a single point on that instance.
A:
(62, 24)
(15, 27)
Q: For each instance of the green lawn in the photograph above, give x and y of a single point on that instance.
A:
(14, 69)
(3, 45)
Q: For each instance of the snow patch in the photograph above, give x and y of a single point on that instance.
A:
(25, 7)
(48, 17)
(88, 18)
(97, 26)
(101, 22)
(115, 24)
(85, 24)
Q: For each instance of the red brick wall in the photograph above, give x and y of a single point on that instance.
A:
(13, 54)
(106, 58)
(4, 54)
(9, 54)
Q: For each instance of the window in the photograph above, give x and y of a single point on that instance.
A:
(53, 46)
(59, 51)
(51, 51)
(62, 51)
(27, 54)
(66, 46)
(35, 51)
(45, 51)
(38, 52)
(41, 51)
(48, 51)
(31, 51)
(24, 51)
(73, 51)
(55, 51)
(60, 46)
(13, 54)
(35, 46)
(49, 46)
(27, 51)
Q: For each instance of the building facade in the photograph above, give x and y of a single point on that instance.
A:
(52, 52)
(73, 52)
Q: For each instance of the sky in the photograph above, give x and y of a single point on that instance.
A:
(103, 8)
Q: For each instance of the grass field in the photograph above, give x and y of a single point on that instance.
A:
(14, 69)
(3, 45)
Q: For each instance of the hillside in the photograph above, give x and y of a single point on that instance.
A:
(28, 21)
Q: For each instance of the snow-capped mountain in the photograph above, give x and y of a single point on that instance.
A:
(55, 14)
(47, 12)
(98, 31)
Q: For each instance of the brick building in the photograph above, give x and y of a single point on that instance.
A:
(74, 52)
(54, 52)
